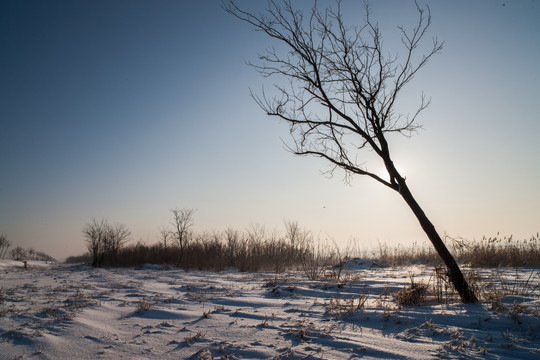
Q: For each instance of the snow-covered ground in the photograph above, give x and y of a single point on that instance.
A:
(76, 312)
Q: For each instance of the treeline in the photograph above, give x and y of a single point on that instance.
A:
(4, 245)
(253, 249)
(249, 250)
(258, 249)
(21, 254)
(104, 241)
(245, 251)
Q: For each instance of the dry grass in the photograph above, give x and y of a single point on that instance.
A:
(489, 252)
(247, 251)
(414, 294)
(144, 305)
(190, 339)
(343, 307)
(498, 252)
(438, 289)
(403, 256)
(258, 250)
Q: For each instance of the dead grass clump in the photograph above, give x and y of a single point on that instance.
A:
(414, 294)
(195, 337)
(343, 307)
(301, 330)
(57, 313)
(461, 344)
(217, 309)
(144, 305)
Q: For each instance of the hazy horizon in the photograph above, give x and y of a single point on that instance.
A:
(126, 109)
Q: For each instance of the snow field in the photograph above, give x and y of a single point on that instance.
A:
(67, 312)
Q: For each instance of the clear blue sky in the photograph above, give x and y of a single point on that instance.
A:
(126, 109)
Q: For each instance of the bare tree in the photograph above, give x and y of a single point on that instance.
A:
(339, 93)
(233, 240)
(19, 254)
(94, 233)
(116, 236)
(296, 235)
(165, 236)
(255, 233)
(182, 223)
(104, 240)
(4, 245)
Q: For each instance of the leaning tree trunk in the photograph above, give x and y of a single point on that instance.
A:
(454, 272)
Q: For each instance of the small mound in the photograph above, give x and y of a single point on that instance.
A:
(160, 314)
(359, 264)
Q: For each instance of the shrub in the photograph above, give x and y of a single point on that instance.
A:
(414, 294)
(85, 258)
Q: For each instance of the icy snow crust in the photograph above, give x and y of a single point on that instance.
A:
(76, 312)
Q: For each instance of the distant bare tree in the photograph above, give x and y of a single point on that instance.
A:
(4, 245)
(255, 233)
(104, 240)
(116, 237)
(339, 90)
(19, 254)
(233, 241)
(296, 235)
(95, 233)
(182, 223)
(165, 236)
